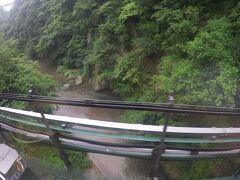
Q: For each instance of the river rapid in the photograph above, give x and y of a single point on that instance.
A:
(103, 166)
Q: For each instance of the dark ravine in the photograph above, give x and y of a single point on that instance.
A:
(104, 166)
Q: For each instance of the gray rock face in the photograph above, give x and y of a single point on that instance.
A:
(100, 84)
(79, 80)
(66, 85)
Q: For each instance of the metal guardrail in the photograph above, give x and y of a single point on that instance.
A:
(146, 153)
(146, 141)
(126, 131)
(83, 128)
(156, 107)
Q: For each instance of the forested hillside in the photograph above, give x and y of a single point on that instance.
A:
(141, 49)
(19, 74)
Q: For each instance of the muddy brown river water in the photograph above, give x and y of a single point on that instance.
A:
(104, 166)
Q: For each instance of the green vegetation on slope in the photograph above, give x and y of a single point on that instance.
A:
(19, 74)
(143, 48)
(50, 154)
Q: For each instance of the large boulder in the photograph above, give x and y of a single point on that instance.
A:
(100, 84)
(79, 80)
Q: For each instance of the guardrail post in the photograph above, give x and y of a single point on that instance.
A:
(158, 171)
(3, 136)
(54, 136)
(57, 143)
(5, 102)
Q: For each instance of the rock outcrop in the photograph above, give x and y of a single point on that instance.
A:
(79, 80)
(99, 84)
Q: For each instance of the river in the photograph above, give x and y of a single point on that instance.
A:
(103, 166)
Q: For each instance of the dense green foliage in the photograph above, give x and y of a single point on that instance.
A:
(50, 154)
(143, 48)
(19, 74)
